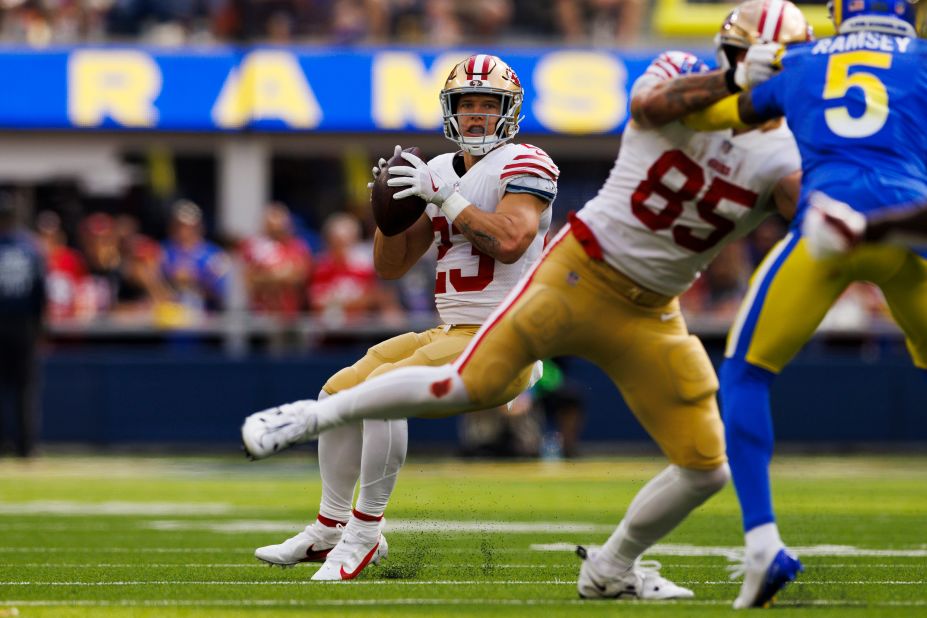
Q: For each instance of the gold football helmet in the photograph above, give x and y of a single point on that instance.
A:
(759, 21)
(483, 74)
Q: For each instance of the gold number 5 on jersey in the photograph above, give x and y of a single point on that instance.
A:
(839, 82)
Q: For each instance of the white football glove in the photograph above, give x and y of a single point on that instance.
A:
(421, 181)
(381, 165)
(831, 227)
(760, 63)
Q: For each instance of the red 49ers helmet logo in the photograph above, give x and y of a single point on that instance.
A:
(511, 76)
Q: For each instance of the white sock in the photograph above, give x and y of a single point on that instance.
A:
(657, 509)
(339, 465)
(364, 526)
(399, 394)
(385, 445)
(763, 542)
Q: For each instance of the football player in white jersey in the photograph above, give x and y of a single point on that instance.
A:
(489, 211)
(606, 289)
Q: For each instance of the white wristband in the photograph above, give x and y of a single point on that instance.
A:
(453, 205)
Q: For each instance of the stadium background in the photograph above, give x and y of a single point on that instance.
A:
(112, 112)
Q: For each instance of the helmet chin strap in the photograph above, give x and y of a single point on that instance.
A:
(479, 146)
(482, 144)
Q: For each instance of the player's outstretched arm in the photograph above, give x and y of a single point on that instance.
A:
(673, 99)
(905, 225)
(732, 112)
(832, 227)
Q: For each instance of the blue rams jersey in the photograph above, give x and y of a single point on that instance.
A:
(855, 103)
(206, 264)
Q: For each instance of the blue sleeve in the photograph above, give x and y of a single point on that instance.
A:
(214, 273)
(767, 98)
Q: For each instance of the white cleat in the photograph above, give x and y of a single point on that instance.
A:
(311, 545)
(765, 577)
(352, 555)
(270, 431)
(642, 581)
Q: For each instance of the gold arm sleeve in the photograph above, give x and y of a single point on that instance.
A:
(722, 115)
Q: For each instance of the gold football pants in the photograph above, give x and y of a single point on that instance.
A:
(431, 348)
(572, 304)
(791, 292)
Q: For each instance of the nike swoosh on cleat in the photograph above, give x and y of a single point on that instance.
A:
(360, 567)
(315, 555)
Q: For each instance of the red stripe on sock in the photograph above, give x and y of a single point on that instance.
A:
(331, 523)
(365, 516)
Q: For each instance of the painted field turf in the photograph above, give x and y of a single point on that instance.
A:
(147, 537)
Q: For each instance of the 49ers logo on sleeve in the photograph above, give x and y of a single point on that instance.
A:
(485, 268)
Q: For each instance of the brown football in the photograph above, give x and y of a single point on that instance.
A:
(395, 216)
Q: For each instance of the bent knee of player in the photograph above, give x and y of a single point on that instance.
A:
(343, 380)
(698, 443)
(393, 349)
(707, 482)
(489, 384)
(380, 371)
(704, 452)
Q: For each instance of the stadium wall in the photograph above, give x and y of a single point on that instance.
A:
(196, 397)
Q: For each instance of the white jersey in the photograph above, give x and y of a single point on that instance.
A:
(470, 285)
(675, 197)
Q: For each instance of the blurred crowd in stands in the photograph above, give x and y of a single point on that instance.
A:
(105, 267)
(108, 268)
(431, 22)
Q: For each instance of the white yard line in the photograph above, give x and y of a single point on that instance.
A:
(446, 565)
(113, 507)
(734, 552)
(657, 550)
(392, 582)
(45, 549)
(295, 582)
(424, 601)
(392, 525)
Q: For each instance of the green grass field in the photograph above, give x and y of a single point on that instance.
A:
(120, 536)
